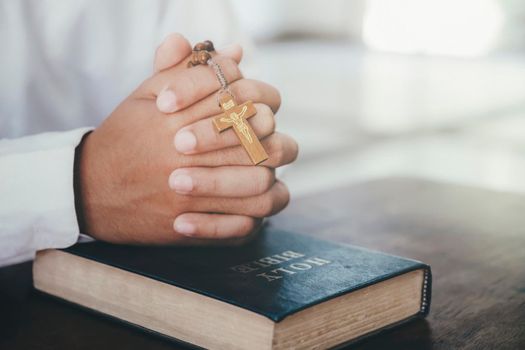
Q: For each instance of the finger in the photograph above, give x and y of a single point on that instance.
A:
(255, 91)
(269, 203)
(233, 51)
(202, 136)
(175, 53)
(173, 50)
(214, 226)
(175, 90)
(222, 181)
(242, 89)
(181, 240)
(281, 149)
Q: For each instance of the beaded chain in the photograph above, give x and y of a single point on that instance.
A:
(201, 54)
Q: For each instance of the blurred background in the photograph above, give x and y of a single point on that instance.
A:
(372, 88)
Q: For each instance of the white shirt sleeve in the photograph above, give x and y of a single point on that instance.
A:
(37, 201)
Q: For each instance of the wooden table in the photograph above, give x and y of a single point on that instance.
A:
(474, 240)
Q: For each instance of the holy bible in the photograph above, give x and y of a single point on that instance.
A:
(280, 291)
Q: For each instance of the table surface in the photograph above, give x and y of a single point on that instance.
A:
(474, 240)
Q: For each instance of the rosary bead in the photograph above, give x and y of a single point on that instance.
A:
(209, 45)
(200, 46)
(204, 46)
(203, 57)
(201, 53)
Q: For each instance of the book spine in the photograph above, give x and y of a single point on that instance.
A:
(426, 292)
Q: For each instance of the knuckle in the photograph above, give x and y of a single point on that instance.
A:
(254, 91)
(264, 180)
(284, 149)
(271, 124)
(295, 149)
(247, 227)
(267, 179)
(265, 205)
(268, 117)
(278, 198)
(278, 100)
(257, 91)
(230, 68)
(264, 109)
(277, 148)
(285, 196)
(248, 90)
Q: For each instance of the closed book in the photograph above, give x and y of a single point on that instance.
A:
(281, 290)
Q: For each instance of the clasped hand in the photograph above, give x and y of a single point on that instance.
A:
(156, 171)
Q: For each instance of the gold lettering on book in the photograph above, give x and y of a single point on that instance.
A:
(300, 263)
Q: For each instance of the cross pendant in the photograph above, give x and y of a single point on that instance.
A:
(235, 116)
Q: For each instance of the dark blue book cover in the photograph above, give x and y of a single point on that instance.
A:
(275, 275)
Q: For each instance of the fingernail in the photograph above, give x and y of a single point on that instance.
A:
(167, 101)
(181, 183)
(184, 227)
(185, 141)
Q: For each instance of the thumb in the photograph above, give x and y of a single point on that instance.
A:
(173, 50)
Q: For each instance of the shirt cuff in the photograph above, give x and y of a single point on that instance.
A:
(38, 193)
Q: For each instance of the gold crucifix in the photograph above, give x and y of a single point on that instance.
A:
(235, 116)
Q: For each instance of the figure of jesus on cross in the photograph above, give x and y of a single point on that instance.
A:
(235, 116)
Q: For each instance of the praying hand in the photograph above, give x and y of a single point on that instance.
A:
(157, 171)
